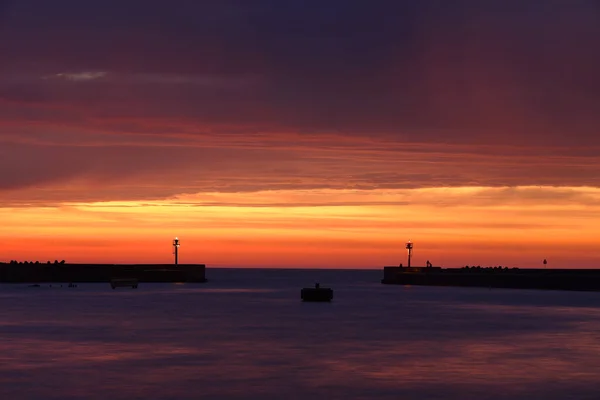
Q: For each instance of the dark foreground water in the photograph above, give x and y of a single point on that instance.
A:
(246, 335)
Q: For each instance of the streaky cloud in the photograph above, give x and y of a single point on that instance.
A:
(79, 76)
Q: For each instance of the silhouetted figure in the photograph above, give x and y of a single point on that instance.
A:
(545, 262)
(317, 286)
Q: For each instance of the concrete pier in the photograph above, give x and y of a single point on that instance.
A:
(56, 272)
(515, 278)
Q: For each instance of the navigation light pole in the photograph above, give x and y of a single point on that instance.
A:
(409, 247)
(176, 250)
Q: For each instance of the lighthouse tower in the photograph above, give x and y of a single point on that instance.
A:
(176, 250)
(409, 248)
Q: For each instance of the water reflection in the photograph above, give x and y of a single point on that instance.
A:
(253, 338)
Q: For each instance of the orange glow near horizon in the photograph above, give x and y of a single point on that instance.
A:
(319, 228)
(297, 146)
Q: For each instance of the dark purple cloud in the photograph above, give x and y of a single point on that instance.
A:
(247, 95)
(352, 65)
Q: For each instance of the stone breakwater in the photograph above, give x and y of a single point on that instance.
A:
(515, 278)
(62, 272)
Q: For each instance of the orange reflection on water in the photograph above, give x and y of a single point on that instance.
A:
(246, 334)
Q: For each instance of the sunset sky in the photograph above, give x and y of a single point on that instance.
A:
(301, 133)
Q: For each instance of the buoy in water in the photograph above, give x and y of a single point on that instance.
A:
(316, 294)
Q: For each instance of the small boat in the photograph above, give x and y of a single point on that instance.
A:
(132, 283)
(316, 294)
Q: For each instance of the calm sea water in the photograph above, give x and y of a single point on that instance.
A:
(246, 335)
